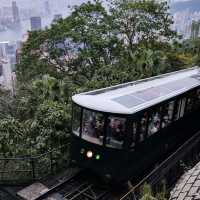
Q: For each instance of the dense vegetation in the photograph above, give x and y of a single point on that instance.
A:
(94, 47)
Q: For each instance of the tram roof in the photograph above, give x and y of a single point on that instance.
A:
(129, 98)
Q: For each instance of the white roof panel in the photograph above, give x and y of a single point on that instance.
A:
(132, 97)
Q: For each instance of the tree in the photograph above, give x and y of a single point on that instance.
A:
(147, 193)
(142, 21)
(94, 44)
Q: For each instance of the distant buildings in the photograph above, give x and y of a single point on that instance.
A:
(183, 22)
(36, 23)
(3, 49)
(47, 8)
(15, 12)
(7, 65)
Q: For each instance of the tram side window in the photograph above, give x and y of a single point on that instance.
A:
(154, 122)
(167, 114)
(180, 110)
(133, 139)
(143, 127)
(93, 127)
(197, 99)
(116, 132)
(76, 119)
(190, 102)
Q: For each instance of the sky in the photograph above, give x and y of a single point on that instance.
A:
(35, 3)
(30, 3)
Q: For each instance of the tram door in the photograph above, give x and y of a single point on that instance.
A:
(181, 108)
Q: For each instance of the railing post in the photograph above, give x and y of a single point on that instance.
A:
(33, 167)
(51, 162)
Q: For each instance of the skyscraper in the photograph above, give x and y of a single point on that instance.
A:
(15, 12)
(36, 23)
(47, 8)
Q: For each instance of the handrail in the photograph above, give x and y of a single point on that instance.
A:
(31, 168)
(33, 157)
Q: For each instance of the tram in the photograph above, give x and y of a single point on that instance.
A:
(119, 132)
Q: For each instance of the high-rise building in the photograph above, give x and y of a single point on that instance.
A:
(36, 23)
(15, 12)
(47, 8)
(3, 47)
(7, 12)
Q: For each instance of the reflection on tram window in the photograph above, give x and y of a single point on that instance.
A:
(76, 119)
(93, 126)
(134, 134)
(143, 127)
(154, 122)
(115, 132)
(176, 115)
(167, 113)
(180, 110)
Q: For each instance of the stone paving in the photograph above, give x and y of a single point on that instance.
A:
(188, 187)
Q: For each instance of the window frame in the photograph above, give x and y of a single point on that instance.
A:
(80, 120)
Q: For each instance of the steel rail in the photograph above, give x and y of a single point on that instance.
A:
(58, 186)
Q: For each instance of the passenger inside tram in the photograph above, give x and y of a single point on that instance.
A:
(115, 132)
(92, 128)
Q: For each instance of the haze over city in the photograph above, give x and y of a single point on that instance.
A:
(17, 17)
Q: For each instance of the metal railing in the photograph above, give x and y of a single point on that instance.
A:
(159, 173)
(27, 169)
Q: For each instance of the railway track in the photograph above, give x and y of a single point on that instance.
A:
(76, 187)
(79, 187)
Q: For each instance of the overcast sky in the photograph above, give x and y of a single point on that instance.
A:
(31, 3)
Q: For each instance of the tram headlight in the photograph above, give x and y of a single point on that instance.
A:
(89, 154)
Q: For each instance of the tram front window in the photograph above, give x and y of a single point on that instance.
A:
(76, 119)
(116, 131)
(93, 127)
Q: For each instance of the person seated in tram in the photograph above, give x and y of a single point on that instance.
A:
(99, 130)
(154, 127)
(91, 127)
(119, 133)
(114, 129)
(165, 121)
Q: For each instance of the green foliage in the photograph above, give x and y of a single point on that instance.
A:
(93, 47)
(39, 121)
(147, 193)
(12, 137)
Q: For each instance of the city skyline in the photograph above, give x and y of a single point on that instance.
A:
(30, 3)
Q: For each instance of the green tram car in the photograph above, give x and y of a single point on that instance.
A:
(121, 131)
